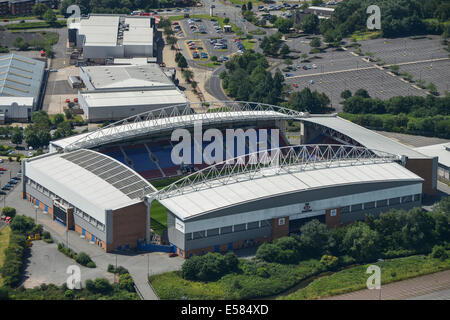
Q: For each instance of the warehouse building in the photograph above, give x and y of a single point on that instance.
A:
(113, 36)
(117, 105)
(21, 81)
(91, 193)
(442, 152)
(117, 92)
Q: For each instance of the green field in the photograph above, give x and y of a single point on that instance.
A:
(4, 242)
(354, 279)
(249, 44)
(158, 211)
(36, 25)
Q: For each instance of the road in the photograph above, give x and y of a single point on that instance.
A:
(432, 286)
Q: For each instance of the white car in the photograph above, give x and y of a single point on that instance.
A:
(314, 66)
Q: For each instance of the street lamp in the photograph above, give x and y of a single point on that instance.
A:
(379, 293)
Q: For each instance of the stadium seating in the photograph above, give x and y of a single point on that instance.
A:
(158, 162)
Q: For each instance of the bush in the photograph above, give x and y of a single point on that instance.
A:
(111, 268)
(4, 293)
(209, 267)
(91, 264)
(126, 282)
(439, 252)
(69, 294)
(121, 270)
(83, 258)
(329, 262)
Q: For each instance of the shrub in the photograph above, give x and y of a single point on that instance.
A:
(209, 267)
(69, 294)
(121, 270)
(262, 272)
(91, 264)
(439, 252)
(111, 268)
(268, 252)
(83, 258)
(102, 286)
(329, 262)
(4, 293)
(126, 282)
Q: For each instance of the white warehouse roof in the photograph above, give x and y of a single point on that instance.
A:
(127, 76)
(442, 151)
(91, 181)
(134, 98)
(203, 201)
(365, 137)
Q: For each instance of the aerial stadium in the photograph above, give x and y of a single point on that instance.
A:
(115, 186)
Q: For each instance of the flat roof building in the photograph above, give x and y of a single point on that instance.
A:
(114, 36)
(21, 81)
(442, 152)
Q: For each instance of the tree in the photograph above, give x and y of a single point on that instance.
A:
(126, 282)
(226, 20)
(17, 137)
(395, 68)
(346, 94)
(361, 242)
(268, 252)
(182, 63)
(214, 58)
(58, 118)
(315, 42)
(283, 25)
(314, 238)
(39, 9)
(20, 44)
(310, 23)
(50, 16)
(285, 50)
(250, 6)
(68, 113)
(171, 41)
(306, 100)
(9, 212)
(362, 93)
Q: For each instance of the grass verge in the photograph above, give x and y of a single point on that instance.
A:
(354, 278)
(4, 243)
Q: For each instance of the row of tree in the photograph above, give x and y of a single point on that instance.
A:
(394, 233)
(246, 78)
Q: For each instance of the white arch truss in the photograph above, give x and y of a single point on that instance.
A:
(180, 116)
(290, 159)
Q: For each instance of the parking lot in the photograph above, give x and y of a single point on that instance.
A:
(12, 169)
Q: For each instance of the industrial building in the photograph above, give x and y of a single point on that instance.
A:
(21, 80)
(116, 92)
(442, 152)
(103, 37)
(340, 173)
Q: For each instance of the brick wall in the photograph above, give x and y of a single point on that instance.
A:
(278, 230)
(129, 226)
(333, 221)
(424, 169)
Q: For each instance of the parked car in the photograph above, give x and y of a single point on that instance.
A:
(2, 169)
(12, 181)
(2, 192)
(287, 75)
(295, 85)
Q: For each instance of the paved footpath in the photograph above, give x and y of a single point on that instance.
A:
(432, 286)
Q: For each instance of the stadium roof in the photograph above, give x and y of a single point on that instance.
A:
(365, 137)
(270, 185)
(20, 76)
(134, 98)
(442, 151)
(127, 76)
(21, 101)
(92, 181)
(178, 116)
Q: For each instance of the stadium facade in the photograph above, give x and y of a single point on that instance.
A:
(102, 180)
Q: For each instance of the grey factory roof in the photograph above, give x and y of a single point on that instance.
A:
(92, 181)
(442, 151)
(20, 76)
(134, 98)
(365, 137)
(269, 185)
(127, 76)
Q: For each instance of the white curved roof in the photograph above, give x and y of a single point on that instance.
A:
(120, 132)
(90, 181)
(206, 200)
(365, 137)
